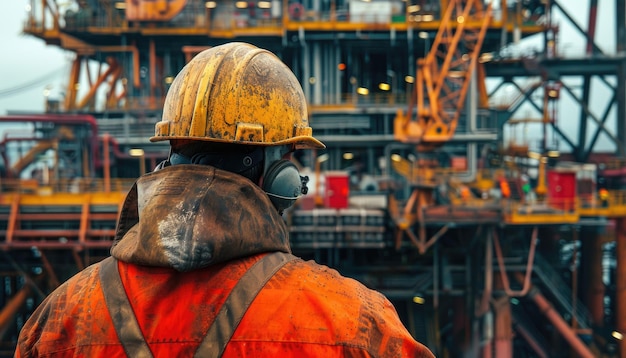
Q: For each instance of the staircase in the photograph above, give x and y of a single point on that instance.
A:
(553, 283)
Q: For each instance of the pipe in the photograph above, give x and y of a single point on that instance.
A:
(529, 266)
(472, 151)
(559, 323)
(152, 64)
(10, 309)
(530, 340)
(503, 328)
(107, 165)
(483, 307)
(75, 120)
(119, 154)
(487, 346)
(61, 119)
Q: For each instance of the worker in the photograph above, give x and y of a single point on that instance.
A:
(505, 189)
(603, 194)
(201, 263)
(466, 193)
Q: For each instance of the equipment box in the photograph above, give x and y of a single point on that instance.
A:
(562, 188)
(337, 190)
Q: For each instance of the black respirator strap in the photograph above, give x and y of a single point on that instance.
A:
(232, 162)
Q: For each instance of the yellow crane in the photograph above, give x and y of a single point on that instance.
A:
(441, 84)
(443, 76)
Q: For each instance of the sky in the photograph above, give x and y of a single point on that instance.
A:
(28, 66)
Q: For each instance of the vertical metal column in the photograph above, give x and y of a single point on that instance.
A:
(318, 55)
(305, 64)
(460, 327)
(620, 282)
(591, 25)
(620, 48)
(338, 77)
(620, 21)
(503, 328)
(592, 285)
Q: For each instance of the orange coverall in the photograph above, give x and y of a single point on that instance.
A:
(185, 237)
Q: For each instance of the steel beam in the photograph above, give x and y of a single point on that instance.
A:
(620, 283)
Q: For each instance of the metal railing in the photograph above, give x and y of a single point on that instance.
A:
(51, 15)
(73, 186)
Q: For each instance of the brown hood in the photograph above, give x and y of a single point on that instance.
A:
(191, 216)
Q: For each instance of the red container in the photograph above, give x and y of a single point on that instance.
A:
(458, 163)
(562, 188)
(337, 190)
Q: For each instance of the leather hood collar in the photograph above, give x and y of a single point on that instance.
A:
(192, 216)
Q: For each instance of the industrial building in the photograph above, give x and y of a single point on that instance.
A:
(487, 241)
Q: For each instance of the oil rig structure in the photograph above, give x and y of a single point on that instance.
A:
(488, 243)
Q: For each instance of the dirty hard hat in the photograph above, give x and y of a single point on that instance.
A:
(236, 93)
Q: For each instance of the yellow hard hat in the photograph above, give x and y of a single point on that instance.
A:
(236, 93)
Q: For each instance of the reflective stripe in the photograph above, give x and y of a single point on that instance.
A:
(121, 312)
(221, 330)
(238, 301)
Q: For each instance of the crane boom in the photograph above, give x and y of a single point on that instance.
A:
(444, 74)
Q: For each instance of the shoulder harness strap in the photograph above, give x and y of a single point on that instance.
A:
(238, 301)
(226, 321)
(121, 312)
